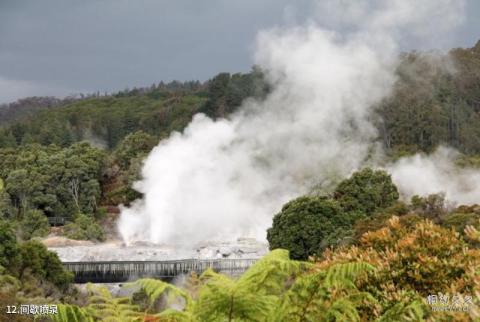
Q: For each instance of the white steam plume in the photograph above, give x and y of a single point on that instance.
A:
(226, 178)
(423, 175)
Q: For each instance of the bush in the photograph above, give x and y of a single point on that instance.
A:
(132, 146)
(413, 261)
(8, 245)
(34, 224)
(366, 191)
(101, 213)
(423, 257)
(84, 228)
(6, 209)
(432, 206)
(43, 264)
(460, 221)
(380, 219)
(307, 225)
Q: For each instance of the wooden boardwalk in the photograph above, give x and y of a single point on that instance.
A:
(120, 271)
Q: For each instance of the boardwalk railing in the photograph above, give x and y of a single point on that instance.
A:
(119, 271)
(56, 221)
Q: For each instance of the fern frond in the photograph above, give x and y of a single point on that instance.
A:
(210, 276)
(268, 275)
(413, 311)
(225, 299)
(156, 288)
(345, 274)
(360, 297)
(303, 299)
(103, 306)
(310, 298)
(171, 315)
(71, 313)
(342, 310)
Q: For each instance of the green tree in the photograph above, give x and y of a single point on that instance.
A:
(84, 228)
(58, 181)
(217, 91)
(305, 224)
(21, 185)
(134, 145)
(8, 245)
(7, 140)
(366, 191)
(6, 208)
(34, 224)
(27, 139)
(37, 260)
(432, 206)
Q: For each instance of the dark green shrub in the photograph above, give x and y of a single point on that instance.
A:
(34, 224)
(307, 225)
(432, 206)
(132, 146)
(366, 191)
(84, 228)
(43, 264)
(8, 245)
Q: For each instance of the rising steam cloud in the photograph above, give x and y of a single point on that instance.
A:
(423, 175)
(226, 178)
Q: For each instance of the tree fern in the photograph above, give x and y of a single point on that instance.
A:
(344, 274)
(413, 311)
(71, 313)
(268, 275)
(171, 315)
(325, 295)
(103, 306)
(253, 296)
(303, 299)
(342, 310)
(156, 289)
(223, 299)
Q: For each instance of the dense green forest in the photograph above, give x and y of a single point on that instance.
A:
(433, 105)
(356, 254)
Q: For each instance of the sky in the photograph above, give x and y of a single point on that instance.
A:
(64, 47)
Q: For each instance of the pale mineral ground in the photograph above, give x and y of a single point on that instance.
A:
(116, 250)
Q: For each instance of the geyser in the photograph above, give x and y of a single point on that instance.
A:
(226, 178)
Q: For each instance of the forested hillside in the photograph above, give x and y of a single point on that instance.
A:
(106, 120)
(436, 101)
